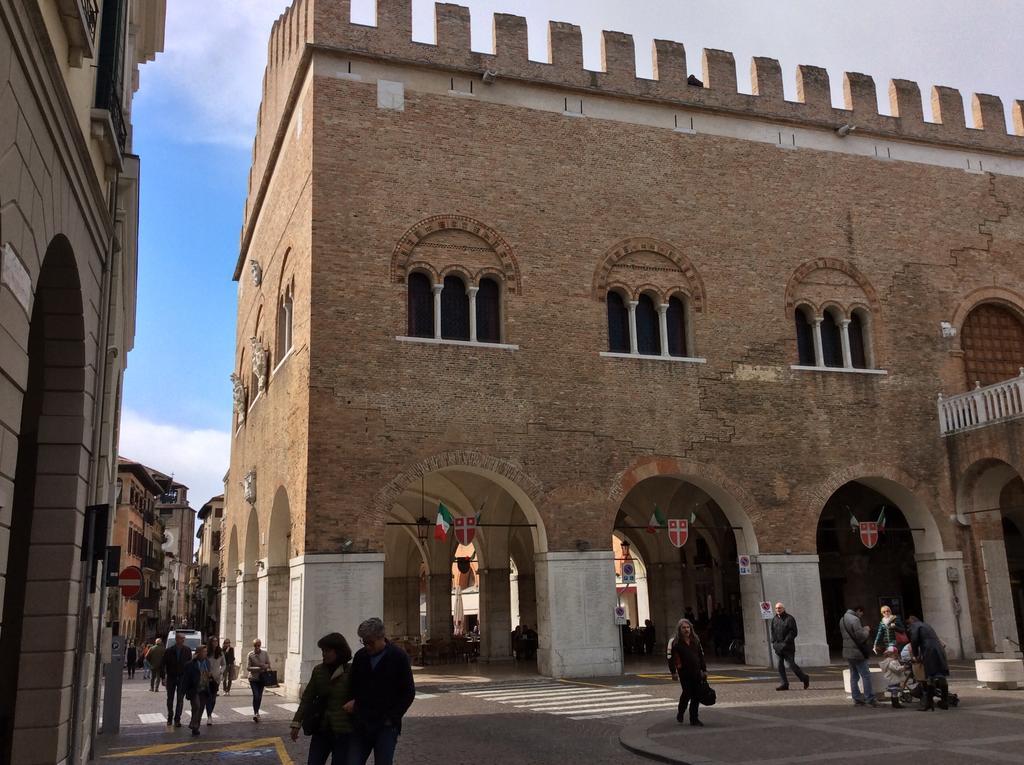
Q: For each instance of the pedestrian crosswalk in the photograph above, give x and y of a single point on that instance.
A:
(160, 718)
(576, 702)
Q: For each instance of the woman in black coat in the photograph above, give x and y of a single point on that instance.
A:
(688, 657)
(929, 651)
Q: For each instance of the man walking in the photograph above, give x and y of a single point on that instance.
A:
(856, 652)
(156, 662)
(382, 692)
(175, 659)
(784, 633)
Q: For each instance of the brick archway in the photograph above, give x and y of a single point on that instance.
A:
(834, 264)
(694, 284)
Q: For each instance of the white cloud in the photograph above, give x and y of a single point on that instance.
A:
(198, 458)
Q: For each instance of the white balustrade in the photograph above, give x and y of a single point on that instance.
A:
(982, 406)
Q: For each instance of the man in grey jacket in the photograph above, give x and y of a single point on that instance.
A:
(855, 651)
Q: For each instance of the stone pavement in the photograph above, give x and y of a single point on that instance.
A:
(798, 727)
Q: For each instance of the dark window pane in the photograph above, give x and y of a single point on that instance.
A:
(421, 306)
(831, 343)
(488, 312)
(804, 339)
(858, 353)
(648, 334)
(676, 327)
(618, 324)
(454, 309)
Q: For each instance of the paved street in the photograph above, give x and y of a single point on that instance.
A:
(475, 714)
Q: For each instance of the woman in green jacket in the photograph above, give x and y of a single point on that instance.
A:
(321, 707)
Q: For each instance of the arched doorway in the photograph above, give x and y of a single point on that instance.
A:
(274, 585)
(699, 576)
(992, 339)
(853, 573)
(447, 599)
(229, 615)
(46, 526)
(247, 594)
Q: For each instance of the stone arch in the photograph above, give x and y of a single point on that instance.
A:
(733, 499)
(403, 251)
(517, 482)
(799, 278)
(274, 593)
(251, 545)
(999, 295)
(604, 275)
(47, 512)
(232, 561)
(889, 481)
(279, 530)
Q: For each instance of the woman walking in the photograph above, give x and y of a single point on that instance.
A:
(321, 711)
(215, 656)
(688, 657)
(131, 658)
(229, 666)
(257, 663)
(197, 687)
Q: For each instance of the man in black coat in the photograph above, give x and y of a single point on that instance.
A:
(784, 644)
(382, 692)
(173, 669)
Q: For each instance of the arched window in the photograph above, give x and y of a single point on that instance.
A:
(488, 312)
(676, 320)
(421, 306)
(618, 323)
(648, 331)
(284, 325)
(992, 339)
(454, 309)
(804, 337)
(858, 329)
(831, 340)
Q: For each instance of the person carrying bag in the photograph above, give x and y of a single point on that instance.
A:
(321, 713)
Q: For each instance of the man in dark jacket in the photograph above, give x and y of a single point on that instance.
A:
(173, 670)
(784, 644)
(382, 692)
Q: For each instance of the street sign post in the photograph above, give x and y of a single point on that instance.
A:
(766, 609)
(745, 568)
(112, 687)
(628, 573)
(620, 615)
(130, 582)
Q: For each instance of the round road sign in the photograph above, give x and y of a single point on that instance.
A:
(130, 581)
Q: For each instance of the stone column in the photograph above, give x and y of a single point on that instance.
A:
(944, 603)
(328, 593)
(495, 615)
(819, 353)
(471, 291)
(437, 310)
(667, 598)
(527, 600)
(248, 609)
(277, 615)
(844, 333)
(632, 326)
(402, 606)
(576, 602)
(663, 327)
(228, 626)
(439, 606)
(796, 581)
(262, 605)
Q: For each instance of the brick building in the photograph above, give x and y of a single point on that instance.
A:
(138, 531)
(560, 298)
(69, 217)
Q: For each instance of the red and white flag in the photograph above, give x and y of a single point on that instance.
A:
(678, 531)
(465, 530)
(869, 533)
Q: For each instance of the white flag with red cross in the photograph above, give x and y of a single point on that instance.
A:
(465, 530)
(869, 533)
(678, 531)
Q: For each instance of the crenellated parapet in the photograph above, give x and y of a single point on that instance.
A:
(327, 25)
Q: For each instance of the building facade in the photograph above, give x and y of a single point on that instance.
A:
(179, 522)
(559, 300)
(138, 532)
(207, 575)
(69, 186)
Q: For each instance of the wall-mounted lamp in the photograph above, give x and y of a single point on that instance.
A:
(845, 130)
(346, 544)
(238, 572)
(260, 565)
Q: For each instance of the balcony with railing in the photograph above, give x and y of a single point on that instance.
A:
(982, 406)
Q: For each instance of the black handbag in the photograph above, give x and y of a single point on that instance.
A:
(313, 721)
(708, 697)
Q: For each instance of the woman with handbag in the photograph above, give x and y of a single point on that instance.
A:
(215, 656)
(257, 664)
(890, 633)
(688, 657)
(930, 662)
(321, 714)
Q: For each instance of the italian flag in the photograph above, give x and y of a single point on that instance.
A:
(444, 522)
(881, 520)
(657, 521)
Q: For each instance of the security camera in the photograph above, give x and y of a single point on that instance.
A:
(845, 130)
(489, 77)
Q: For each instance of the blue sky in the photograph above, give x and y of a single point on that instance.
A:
(194, 117)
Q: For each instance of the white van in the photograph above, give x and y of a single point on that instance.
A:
(193, 638)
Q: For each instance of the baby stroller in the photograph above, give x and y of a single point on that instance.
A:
(911, 689)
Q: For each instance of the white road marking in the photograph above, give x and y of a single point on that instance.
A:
(289, 707)
(153, 717)
(247, 711)
(577, 702)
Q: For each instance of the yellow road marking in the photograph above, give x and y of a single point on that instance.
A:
(163, 750)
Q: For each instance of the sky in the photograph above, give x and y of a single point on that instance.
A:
(194, 120)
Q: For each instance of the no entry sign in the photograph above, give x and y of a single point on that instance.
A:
(130, 581)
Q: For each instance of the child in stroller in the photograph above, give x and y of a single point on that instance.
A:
(903, 687)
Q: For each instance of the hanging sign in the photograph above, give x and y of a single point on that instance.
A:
(745, 568)
(678, 531)
(628, 573)
(620, 615)
(766, 610)
(869, 533)
(465, 530)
